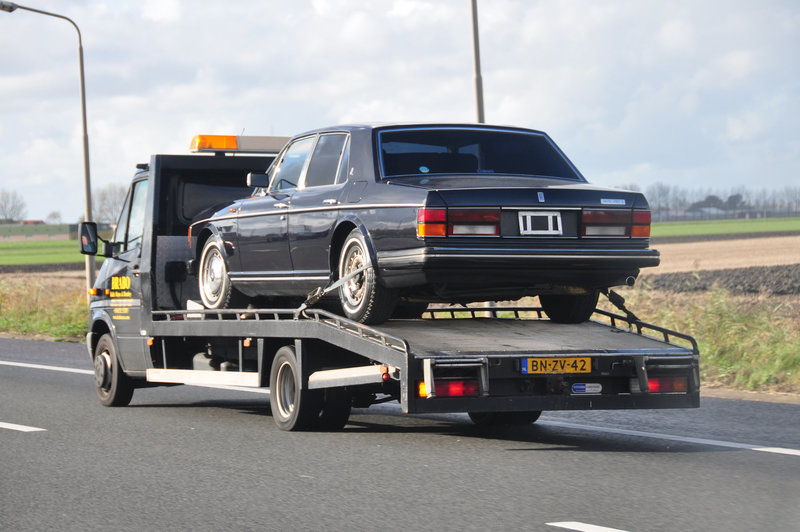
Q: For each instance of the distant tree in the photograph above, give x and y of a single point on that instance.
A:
(12, 206)
(108, 202)
(53, 218)
(734, 203)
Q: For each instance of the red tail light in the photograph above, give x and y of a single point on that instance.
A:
(612, 223)
(456, 388)
(458, 222)
(667, 385)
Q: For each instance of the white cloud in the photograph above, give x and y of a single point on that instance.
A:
(161, 10)
(676, 35)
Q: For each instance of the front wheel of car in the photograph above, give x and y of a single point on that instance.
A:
(213, 280)
(569, 308)
(363, 299)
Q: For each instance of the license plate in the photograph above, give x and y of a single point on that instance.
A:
(540, 223)
(550, 366)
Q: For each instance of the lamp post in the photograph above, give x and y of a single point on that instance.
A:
(10, 7)
(477, 54)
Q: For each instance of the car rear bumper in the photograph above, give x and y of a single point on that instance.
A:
(594, 268)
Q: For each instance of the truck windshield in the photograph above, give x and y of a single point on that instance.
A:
(471, 151)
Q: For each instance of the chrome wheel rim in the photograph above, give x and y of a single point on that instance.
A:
(353, 289)
(286, 392)
(213, 276)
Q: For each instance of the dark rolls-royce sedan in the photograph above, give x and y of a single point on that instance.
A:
(423, 213)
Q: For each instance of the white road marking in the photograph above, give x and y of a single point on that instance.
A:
(583, 527)
(49, 368)
(608, 430)
(20, 428)
(672, 437)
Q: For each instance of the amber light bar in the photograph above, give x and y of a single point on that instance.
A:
(458, 222)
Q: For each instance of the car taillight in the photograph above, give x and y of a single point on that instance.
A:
(472, 222)
(615, 223)
(432, 222)
(641, 224)
(458, 222)
(451, 388)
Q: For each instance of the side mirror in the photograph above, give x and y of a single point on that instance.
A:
(257, 180)
(87, 233)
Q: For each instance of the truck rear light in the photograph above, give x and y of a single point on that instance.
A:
(473, 222)
(431, 222)
(606, 223)
(641, 224)
(668, 384)
(451, 388)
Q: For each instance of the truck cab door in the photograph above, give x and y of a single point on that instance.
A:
(120, 279)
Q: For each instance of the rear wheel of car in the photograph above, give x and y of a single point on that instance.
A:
(569, 308)
(487, 419)
(363, 298)
(114, 388)
(213, 280)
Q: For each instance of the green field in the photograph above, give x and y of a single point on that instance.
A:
(724, 227)
(39, 252)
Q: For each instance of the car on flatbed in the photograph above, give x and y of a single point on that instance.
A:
(410, 214)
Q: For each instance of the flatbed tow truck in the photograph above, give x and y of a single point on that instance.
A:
(501, 365)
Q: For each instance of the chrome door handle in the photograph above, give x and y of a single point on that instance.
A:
(281, 205)
(329, 202)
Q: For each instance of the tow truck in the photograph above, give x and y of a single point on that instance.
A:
(500, 365)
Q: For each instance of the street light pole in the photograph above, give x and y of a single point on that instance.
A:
(87, 187)
(477, 54)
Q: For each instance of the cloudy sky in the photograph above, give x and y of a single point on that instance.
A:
(695, 94)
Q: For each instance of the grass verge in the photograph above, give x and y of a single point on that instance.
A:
(724, 227)
(39, 252)
(43, 306)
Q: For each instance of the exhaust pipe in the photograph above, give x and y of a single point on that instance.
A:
(630, 281)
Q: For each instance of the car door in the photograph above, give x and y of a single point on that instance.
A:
(125, 286)
(314, 209)
(262, 222)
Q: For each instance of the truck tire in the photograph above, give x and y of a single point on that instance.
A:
(569, 308)
(489, 419)
(114, 388)
(336, 405)
(212, 277)
(363, 298)
(293, 408)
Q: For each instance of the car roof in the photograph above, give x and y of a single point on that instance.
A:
(402, 125)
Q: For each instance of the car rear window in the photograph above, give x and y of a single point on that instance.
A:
(470, 151)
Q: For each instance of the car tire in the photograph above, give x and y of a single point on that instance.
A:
(294, 407)
(363, 298)
(569, 308)
(490, 419)
(114, 387)
(214, 283)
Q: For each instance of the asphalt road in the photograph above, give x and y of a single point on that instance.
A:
(184, 458)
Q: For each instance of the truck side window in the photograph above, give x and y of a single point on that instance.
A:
(324, 163)
(130, 227)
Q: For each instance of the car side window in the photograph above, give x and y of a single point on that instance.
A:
(324, 165)
(288, 172)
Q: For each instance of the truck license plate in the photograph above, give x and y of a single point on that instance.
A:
(549, 366)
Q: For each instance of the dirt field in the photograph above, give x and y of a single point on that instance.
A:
(727, 254)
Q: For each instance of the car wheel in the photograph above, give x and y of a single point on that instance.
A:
(569, 308)
(114, 388)
(213, 280)
(293, 407)
(486, 419)
(363, 299)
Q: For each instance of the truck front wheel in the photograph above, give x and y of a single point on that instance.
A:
(114, 388)
(293, 408)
